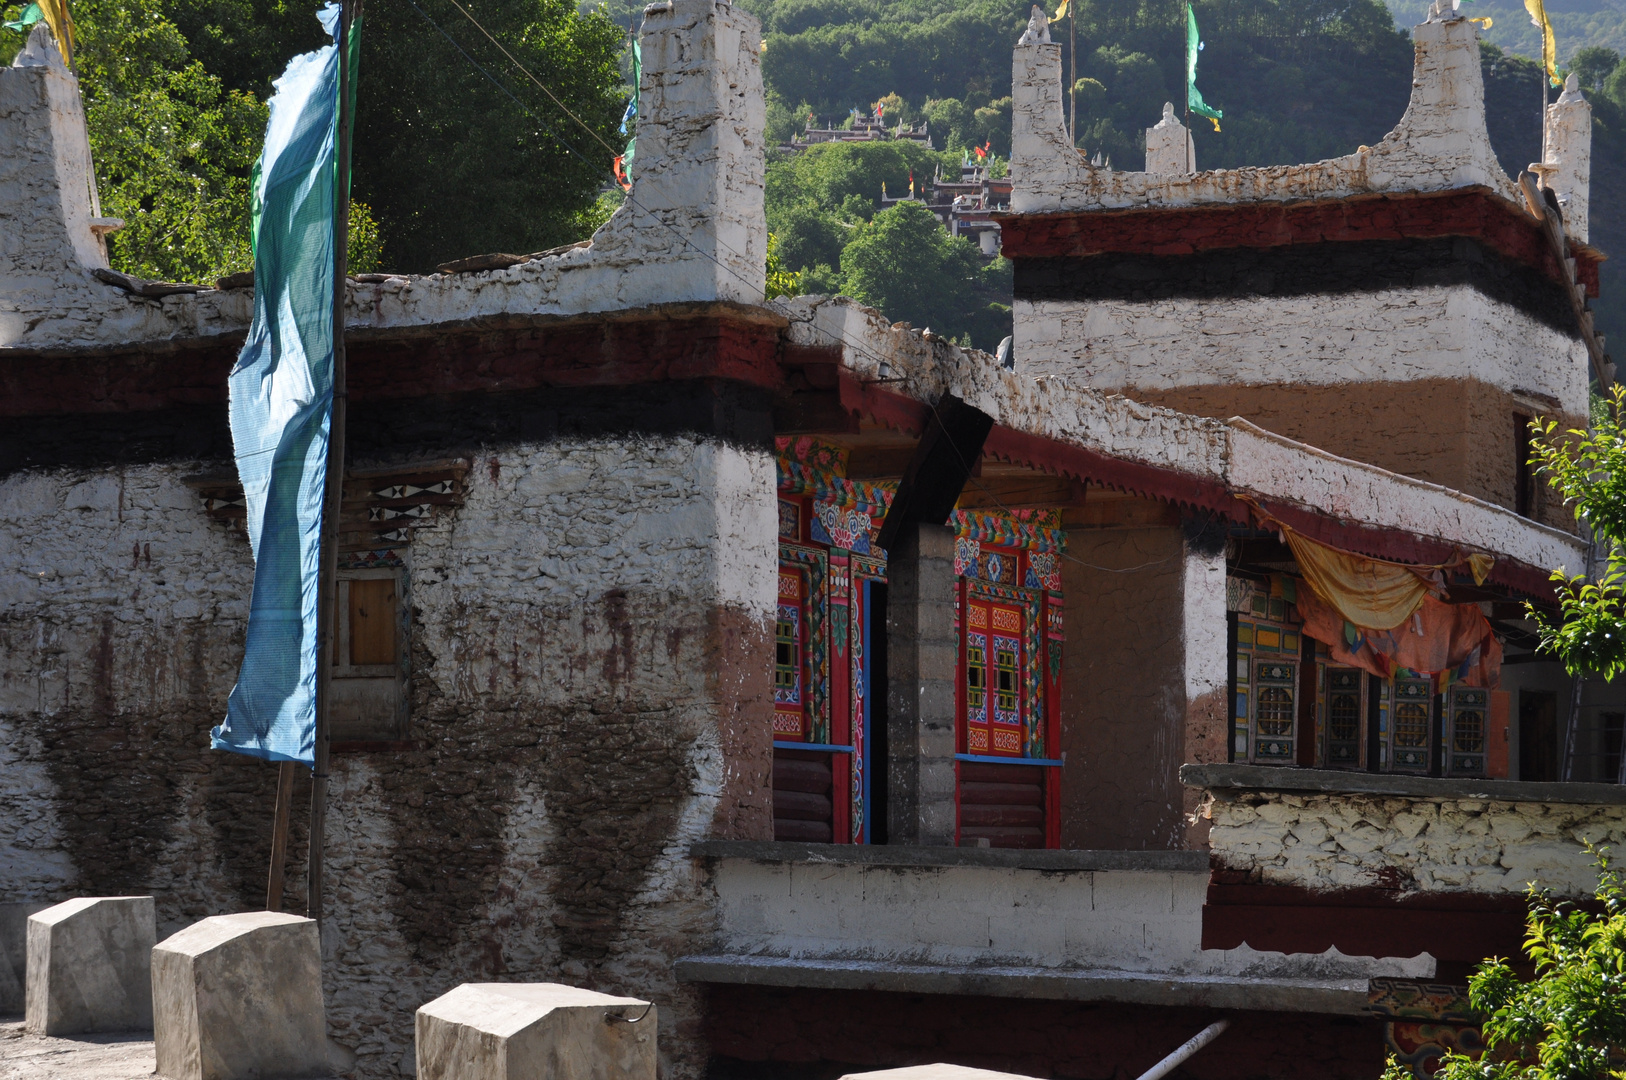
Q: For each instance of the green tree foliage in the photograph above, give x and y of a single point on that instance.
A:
(904, 263)
(1593, 65)
(847, 177)
(1302, 81)
(1578, 24)
(1569, 1022)
(173, 145)
(1588, 469)
(780, 280)
(451, 164)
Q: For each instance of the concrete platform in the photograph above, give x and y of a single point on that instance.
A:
(521, 1031)
(239, 997)
(1337, 997)
(121, 1056)
(937, 1071)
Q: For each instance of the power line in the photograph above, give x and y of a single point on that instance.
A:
(526, 72)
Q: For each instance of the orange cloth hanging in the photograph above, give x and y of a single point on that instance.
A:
(1377, 594)
(1437, 638)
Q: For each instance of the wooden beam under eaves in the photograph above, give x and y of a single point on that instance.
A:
(940, 466)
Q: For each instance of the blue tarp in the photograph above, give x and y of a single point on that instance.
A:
(281, 405)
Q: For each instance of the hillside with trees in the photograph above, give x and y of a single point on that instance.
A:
(1297, 82)
(448, 163)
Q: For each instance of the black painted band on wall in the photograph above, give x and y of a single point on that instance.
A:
(730, 412)
(1328, 269)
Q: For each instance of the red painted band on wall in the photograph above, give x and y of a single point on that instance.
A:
(586, 351)
(1466, 936)
(1475, 212)
(1459, 927)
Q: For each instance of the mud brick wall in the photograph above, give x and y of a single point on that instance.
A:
(1123, 691)
(590, 636)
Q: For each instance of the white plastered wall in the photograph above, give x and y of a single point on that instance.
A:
(1566, 156)
(1112, 920)
(1386, 335)
(122, 608)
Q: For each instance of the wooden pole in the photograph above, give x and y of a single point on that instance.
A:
(279, 836)
(328, 586)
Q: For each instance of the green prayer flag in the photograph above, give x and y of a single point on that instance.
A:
(30, 15)
(281, 403)
(1194, 97)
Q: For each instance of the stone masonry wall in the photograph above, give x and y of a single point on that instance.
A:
(590, 635)
(1337, 841)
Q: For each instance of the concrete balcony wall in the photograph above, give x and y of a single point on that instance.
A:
(1113, 925)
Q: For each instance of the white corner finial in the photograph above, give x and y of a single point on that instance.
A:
(1572, 90)
(1038, 31)
(40, 50)
(1168, 112)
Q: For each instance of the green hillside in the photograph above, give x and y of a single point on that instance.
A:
(1578, 24)
(1296, 82)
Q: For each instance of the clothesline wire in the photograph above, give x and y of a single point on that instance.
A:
(840, 334)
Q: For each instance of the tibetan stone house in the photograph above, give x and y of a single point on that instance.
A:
(861, 699)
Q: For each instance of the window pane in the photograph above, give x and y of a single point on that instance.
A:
(1411, 724)
(1276, 711)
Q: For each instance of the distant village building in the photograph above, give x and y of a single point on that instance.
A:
(857, 698)
(965, 205)
(865, 127)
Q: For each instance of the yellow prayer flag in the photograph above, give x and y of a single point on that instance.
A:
(1061, 12)
(1549, 43)
(61, 24)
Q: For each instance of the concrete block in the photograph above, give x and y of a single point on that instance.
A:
(239, 997)
(14, 954)
(506, 1031)
(939, 1071)
(88, 965)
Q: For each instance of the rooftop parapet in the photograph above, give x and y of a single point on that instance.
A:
(1440, 143)
(51, 220)
(692, 228)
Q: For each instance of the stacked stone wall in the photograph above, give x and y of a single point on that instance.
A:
(1341, 841)
(590, 692)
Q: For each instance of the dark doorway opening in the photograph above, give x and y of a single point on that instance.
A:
(1538, 735)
